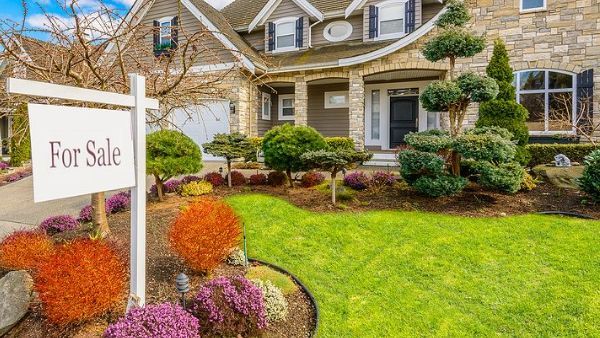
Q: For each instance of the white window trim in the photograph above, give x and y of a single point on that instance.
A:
(282, 21)
(266, 115)
(280, 107)
(546, 91)
(329, 105)
(162, 20)
(381, 6)
(331, 38)
(531, 10)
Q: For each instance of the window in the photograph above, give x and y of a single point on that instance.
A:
(266, 106)
(375, 114)
(286, 107)
(532, 5)
(391, 19)
(550, 98)
(336, 99)
(337, 31)
(285, 34)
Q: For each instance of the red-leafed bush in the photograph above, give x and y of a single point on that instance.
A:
(311, 179)
(25, 250)
(277, 178)
(237, 178)
(204, 234)
(214, 178)
(258, 179)
(81, 280)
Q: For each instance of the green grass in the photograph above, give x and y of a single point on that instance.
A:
(417, 274)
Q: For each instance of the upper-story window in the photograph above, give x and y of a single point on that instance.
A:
(532, 5)
(391, 19)
(165, 34)
(286, 34)
(550, 97)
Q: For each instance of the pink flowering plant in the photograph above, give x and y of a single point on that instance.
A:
(155, 321)
(230, 307)
(381, 179)
(357, 180)
(57, 224)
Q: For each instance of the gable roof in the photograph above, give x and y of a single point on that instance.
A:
(268, 9)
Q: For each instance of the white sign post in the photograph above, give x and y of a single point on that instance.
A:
(78, 151)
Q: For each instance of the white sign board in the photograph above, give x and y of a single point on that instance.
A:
(77, 151)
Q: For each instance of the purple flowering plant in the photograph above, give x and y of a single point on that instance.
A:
(190, 179)
(4, 166)
(117, 203)
(155, 321)
(57, 224)
(230, 306)
(382, 179)
(85, 215)
(357, 180)
(169, 187)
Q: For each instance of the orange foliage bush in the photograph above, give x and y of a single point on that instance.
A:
(204, 233)
(81, 280)
(24, 250)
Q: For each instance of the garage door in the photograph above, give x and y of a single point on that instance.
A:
(201, 123)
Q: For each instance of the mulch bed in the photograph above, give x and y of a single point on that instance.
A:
(14, 175)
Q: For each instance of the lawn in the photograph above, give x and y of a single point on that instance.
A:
(410, 273)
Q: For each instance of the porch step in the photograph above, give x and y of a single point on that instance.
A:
(383, 160)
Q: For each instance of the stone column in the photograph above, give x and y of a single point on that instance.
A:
(357, 109)
(301, 101)
(596, 105)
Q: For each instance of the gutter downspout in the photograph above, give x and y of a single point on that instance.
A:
(310, 33)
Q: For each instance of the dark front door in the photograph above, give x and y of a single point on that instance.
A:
(403, 118)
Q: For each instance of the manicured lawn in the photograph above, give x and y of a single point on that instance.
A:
(410, 273)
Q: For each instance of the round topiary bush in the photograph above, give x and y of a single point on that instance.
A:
(276, 178)
(258, 179)
(237, 178)
(25, 250)
(81, 280)
(590, 181)
(414, 164)
(204, 234)
(215, 179)
(311, 179)
(155, 321)
(275, 304)
(57, 224)
(507, 177)
(230, 307)
(443, 185)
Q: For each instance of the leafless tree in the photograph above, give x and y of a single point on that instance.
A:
(561, 117)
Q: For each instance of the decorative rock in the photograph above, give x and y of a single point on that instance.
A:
(16, 290)
(561, 160)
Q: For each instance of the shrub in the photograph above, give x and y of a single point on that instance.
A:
(204, 234)
(170, 153)
(118, 202)
(529, 183)
(190, 179)
(443, 185)
(380, 179)
(79, 281)
(276, 178)
(237, 178)
(258, 179)
(280, 280)
(196, 188)
(230, 307)
(311, 179)
(24, 250)
(283, 146)
(430, 141)
(275, 304)
(56, 224)
(155, 321)
(487, 146)
(3, 166)
(230, 146)
(169, 187)
(590, 181)
(357, 180)
(506, 177)
(85, 214)
(544, 153)
(237, 257)
(215, 179)
(414, 164)
(340, 143)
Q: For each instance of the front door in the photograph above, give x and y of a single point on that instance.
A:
(403, 118)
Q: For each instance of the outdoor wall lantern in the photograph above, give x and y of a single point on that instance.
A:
(182, 283)
(232, 108)
(221, 170)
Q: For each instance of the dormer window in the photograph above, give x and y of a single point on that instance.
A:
(391, 19)
(165, 35)
(286, 34)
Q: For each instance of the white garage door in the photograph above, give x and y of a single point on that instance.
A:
(201, 123)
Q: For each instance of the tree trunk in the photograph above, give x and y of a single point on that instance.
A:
(455, 163)
(159, 188)
(229, 173)
(288, 172)
(99, 219)
(333, 187)
(451, 70)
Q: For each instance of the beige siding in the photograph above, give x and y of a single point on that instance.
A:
(256, 39)
(263, 125)
(165, 8)
(318, 38)
(287, 8)
(329, 122)
(431, 10)
(418, 16)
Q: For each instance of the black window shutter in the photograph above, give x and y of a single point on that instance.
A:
(409, 16)
(156, 38)
(373, 18)
(585, 97)
(300, 32)
(271, 41)
(174, 32)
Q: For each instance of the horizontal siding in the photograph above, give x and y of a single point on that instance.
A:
(263, 125)
(418, 16)
(217, 53)
(329, 122)
(256, 39)
(318, 38)
(431, 10)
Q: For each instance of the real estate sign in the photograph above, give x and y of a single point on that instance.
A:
(77, 151)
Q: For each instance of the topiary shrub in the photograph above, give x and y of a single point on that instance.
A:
(276, 178)
(283, 146)
(237, 178)
(155, 321)
(443, 185)
(340, 143)
(196, 188)
(357, 180)
(215, 179)
(430, 141)
(486, 146)
(24, 250)
(311, 179)
(590, 181)
(258, 179)
(230, 307)
(275, 304)
(57, 224)
(230, 146)
(204, 233)
(381, 179)
(118, 202)
(506, 177)
(171, 153)
(414, 164)
(80, 281)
